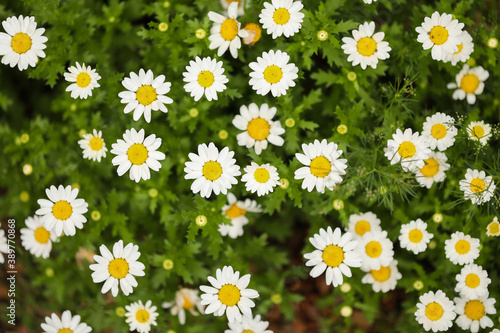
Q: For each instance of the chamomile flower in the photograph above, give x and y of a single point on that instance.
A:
(144, 94)
(225, 33)
(235, 211)
(63, 211)
(472, 313)
(258, 126)
(479, 131)
(260, 178)
(4, 246)
(493, 229)
(477, 187)
(85, 80)
(93, 146)
(140, 316)
(204, 77)
(249, 324)
(366, 48)
(360, 224)
(66, 324)
(469, 83)
(212, 170)
(234, 229)
(440, 131)
(433, 171)
(465, 48)
(36, 239)
(23, 43)
(117, 269)
(472, 282)
(409, 148)
(254, 34)
(228, 294)
(282, 17)
(435, 311)
(334, 253)
(461, 249)
(369, 1)
(241, 5)
(440, 33)
(375, 250)
(383, 279)
(414, 236)
(323, 167)
(185, 299)
(138, 154)
(273, 73)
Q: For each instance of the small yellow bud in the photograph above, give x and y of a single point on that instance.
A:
(322, 35)
(120, 311)
(95, 215)
(200, 33)
(25, 138)
(27, 169)
(168, 264)
(24, 196)
(284, 183)
(276, 298)
(82, 132)
(49, 272)
(194, 113)
(153, 193)
(437, 217)
(418, 285)
(73, 107)
(492, 43)
(346, 311)
(351, 76)
(163, 26)
(342, 129)
(111, 19)
(223, 134)
(201, 220)
(345, 287)
(290, 122)
(471, 62)
(338, 204)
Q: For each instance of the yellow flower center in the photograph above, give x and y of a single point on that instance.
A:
(205, 79)
(273, 74)
(142, 316)
(478, 131)
(469, 83)
(474, 310)
(21, 43)
(477, 185)
(407, 149)
(212, 170)
(65, 330)
(434, 311)
(234, 211)
(281, 16)
(362, 227)
(146, 94)
(438, 131)
(83, 80)
(96, 143)
(62, 210)
(367, 46)
(415, 236)
(462, 246)
(229, 295)
(460, 47)
(472, 280)
(333, 255)
(373, 249)
(229, 29)
(320, 167)
(247, 331)
(382, 274)
(258, 129)
(431, 168)
(187, 303)
(438, 35)
(261, 175)
(42, 236)
(118, 268)
(494, 228)
(137, 154)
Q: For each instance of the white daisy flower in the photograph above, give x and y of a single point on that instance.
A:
(469, 83)
(204, 77)
(138, 154)
(212, 170)
(477, 187)
(334, 253)
(249, 325)
(67, 324)
(273, 73)
(479, 131)
(117, 268)
(360, 224)
(259, 127)
(435, 311)
(226, 32)
(366, 48)
(375, 250)
(472, 282)
(383, 279)
(229, 295)
(36, 239)
(414, 236)
(323, 168)
(461, 249)
(440, 131)
(440, 33)
(433, 171)
(140, 316)
(93, 146)
(465, 48)
(63, 211)
(234, 229)
(282, 17)
(493, 229)
(4, 246)
(472, 313)
(241, 5)
(145, 93)
(235, 211)
(369, 1)
(23, 43)
(84, 78)
(185, 299)
(409, 148)
(260, 178)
